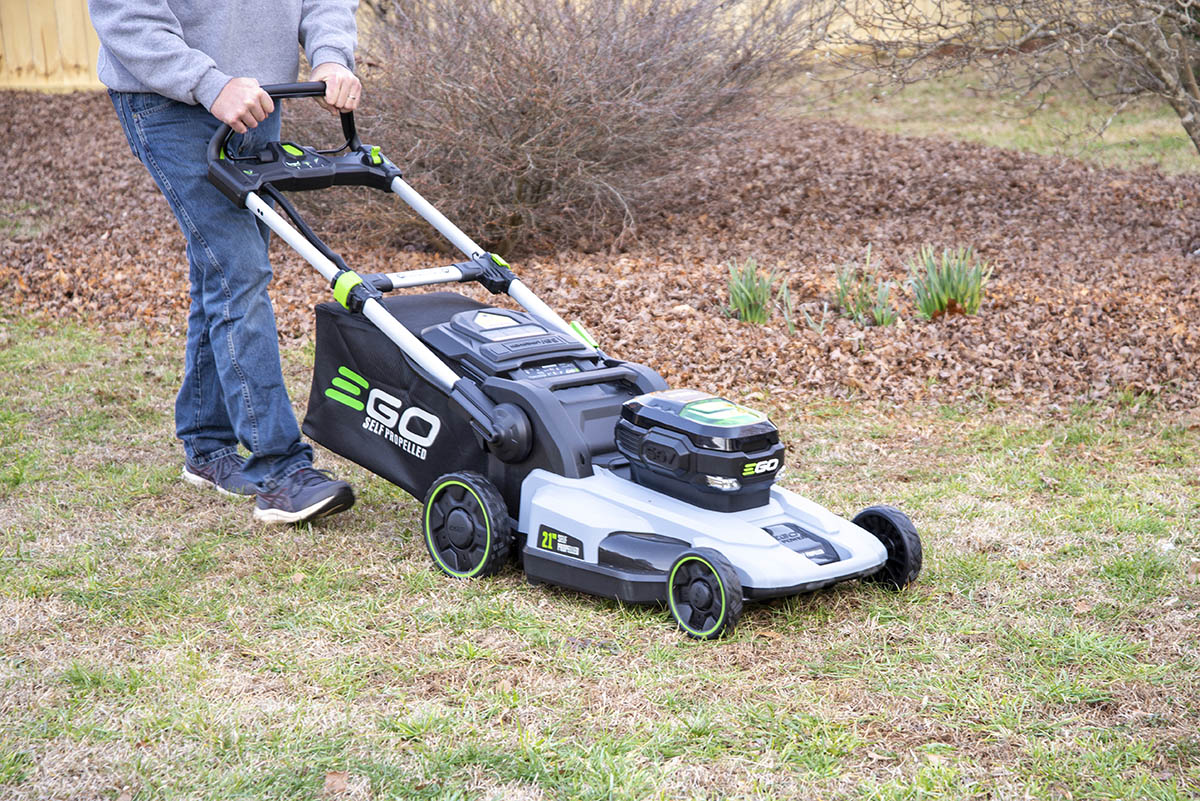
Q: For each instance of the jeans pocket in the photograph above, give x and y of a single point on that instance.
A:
(120, 101)
(143, 104)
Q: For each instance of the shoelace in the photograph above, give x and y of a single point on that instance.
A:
(306, 476)
(228, 467)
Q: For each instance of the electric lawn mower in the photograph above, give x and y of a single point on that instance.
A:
(524, 438)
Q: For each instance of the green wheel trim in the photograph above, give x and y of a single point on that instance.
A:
(487, 549)
(671, 596)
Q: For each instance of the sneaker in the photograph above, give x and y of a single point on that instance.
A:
(304, 495)
(224, 475)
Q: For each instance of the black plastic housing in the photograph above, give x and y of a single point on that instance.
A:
(675, 440)
(369, 404)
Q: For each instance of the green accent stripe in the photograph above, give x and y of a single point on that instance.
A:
(346, 386)
(345, 282)
(353, 376)
(578, 328)
(293, 150)
(340, 397)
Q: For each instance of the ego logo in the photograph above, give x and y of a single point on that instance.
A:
(758, 468)
(413, 430)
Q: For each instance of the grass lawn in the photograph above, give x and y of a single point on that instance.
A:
(158, 644)
(1068, 123)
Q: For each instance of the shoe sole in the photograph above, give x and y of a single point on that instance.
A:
(204, 483)
(338, 502)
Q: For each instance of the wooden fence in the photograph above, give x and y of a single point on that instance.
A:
(48, 45)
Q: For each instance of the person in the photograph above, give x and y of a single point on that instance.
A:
(175, 70)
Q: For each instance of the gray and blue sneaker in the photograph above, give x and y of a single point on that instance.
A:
(224, 475)
(304, 495)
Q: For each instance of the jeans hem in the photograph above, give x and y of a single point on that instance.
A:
(209, 458)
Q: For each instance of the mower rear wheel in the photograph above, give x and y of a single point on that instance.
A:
(898, 534)
(704, 594)
(466, 526)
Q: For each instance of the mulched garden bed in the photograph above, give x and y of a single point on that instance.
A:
(1093, 297)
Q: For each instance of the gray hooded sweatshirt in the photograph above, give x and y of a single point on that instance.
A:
(188, 50)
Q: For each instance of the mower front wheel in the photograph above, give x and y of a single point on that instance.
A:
(898, 534)
(466, 526)
(704, 594)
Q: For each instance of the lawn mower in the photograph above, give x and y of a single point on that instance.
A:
(523, 438)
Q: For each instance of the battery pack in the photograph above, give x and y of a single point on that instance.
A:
(700, 448)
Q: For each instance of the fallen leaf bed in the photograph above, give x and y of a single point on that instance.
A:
(1094, 295)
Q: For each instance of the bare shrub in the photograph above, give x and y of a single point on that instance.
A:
(1116, 49)
(551, 122)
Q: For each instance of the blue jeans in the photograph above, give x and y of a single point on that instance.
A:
(233, 388)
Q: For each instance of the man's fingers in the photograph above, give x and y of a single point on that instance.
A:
(344, 92)
(332, 87)
(342, 88)
(353, 93)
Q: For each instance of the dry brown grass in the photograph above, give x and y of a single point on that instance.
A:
(156, 639)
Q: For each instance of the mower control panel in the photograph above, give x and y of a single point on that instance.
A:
(291, 167)
(552, 370)
(497, 341)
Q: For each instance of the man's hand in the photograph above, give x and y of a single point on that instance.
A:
(342, 88)
(242, 104)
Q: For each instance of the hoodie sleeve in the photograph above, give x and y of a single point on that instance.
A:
(328, 31)
(147, 39)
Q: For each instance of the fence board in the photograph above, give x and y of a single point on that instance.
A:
(47, 44)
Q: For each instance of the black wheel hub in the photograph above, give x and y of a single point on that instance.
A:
(696, 593)
(459, 529)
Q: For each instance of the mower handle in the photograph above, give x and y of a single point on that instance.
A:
(216, 145)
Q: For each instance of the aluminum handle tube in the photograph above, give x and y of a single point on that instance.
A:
(404, 339)
(431, 275)
(546, 315)
(290, 235)
(516, 290)
(435, 218)
(373, 310)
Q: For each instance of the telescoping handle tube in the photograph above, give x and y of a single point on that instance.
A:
(516, 289)
(216, 145)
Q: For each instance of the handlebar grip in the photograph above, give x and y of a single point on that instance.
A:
(303, 89)
(288, 90)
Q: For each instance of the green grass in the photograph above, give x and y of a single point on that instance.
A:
(20, 220)
(156, 639)
(1147, 133)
